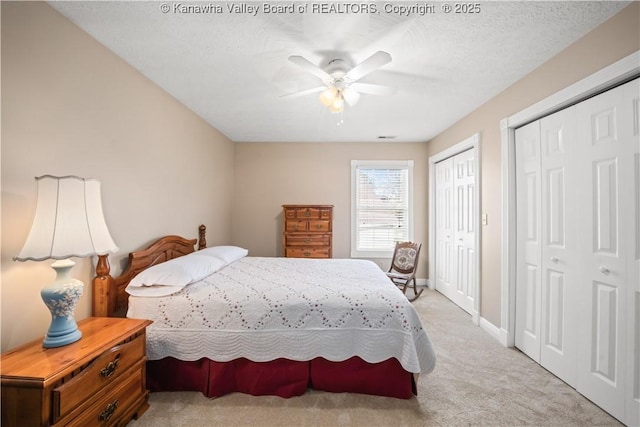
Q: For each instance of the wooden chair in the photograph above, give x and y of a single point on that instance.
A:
(404, 265)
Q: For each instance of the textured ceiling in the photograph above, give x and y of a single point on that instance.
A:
(231, 66)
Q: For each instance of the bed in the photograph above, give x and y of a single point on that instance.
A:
(227, 322)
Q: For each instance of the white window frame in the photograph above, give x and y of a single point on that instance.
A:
(378, 164)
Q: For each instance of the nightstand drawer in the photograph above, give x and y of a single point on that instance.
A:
(100, 373)
(113, 405)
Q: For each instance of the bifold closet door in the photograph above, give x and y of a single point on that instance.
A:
(559, 260)
(444, 226)
(547, 262)
(578, 247)
(455, 228)
(529, 246)
(609, 249)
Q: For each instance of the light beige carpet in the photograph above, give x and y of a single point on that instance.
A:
(476, 382)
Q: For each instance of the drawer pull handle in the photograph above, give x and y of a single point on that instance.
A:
(295, 227)
(307, 213)
(111, 367)
(318, 226)
(307, 253)
(307, 240)
(108, 411)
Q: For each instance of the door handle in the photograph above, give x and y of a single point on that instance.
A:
(604, 270)
(554, 260)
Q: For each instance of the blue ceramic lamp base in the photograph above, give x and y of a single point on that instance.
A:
(61, 298)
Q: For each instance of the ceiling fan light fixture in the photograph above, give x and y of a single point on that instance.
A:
(328, 96)
(342, 82)
(338, 104)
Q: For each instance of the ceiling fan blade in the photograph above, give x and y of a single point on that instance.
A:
(304, 92)
(373, 89)
(351, 96)
(309, 66)
(370, 64)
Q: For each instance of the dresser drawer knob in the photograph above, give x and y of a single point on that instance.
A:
(111, 367)
(108, 411)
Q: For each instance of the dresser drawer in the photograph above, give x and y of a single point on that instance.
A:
(308, 213)
(325, 214)
(106, 410)
(319, 225)
(307, 240)
(296, 226)
(100, 373)
(307, 252)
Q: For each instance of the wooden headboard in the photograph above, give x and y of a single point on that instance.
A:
(109, 296)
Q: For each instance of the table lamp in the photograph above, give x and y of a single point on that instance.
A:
(68, 223)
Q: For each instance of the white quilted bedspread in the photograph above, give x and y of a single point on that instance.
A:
(268, 308)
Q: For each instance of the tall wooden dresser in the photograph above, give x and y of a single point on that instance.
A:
(307, 231)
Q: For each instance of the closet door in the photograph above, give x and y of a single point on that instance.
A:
(444, 226)
(529, 247)
(455, 233)
(464, 236)
(632, 100)
(631, 156)
(578, 247)
(559, 258)
(609, 193)
(546, 258)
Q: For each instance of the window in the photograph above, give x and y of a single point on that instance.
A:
(381, 206)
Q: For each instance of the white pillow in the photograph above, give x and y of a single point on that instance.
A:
(153, 291)
(199, 266)
(171, 276)
(228, 254)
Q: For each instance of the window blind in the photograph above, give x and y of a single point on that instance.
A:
(382, 206)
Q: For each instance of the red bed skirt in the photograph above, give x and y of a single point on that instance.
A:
(281, 377)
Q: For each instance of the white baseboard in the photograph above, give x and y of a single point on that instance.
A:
(504, 338)
(491, 329)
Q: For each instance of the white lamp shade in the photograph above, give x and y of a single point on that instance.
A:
(338, 104)
(328, 96)
(68, 222)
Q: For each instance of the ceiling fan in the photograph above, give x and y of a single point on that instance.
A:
(341, 81)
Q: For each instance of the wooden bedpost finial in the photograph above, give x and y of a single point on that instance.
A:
(202, 239)
(103, 298)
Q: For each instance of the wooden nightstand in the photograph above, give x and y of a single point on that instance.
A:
(99, 380)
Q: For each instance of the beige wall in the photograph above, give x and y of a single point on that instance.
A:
(70, 106)
(613, 40)
(268, 175)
